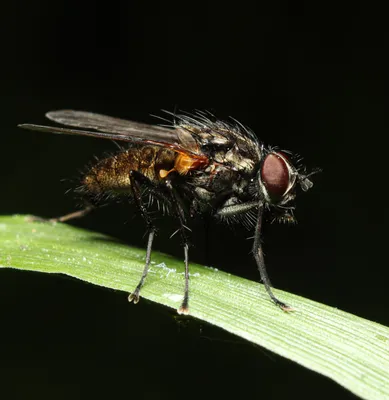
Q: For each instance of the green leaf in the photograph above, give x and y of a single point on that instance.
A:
(352, 351)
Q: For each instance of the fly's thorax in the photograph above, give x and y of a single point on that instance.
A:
(216, 180)
(237, 159)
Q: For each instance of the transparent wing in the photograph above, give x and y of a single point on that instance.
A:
(176, 139)
(120, 128)
(79, 132)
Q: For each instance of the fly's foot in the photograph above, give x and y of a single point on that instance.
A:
(279, 303)
(33, 218)
(287, 308)
(183, 310)
(284, 307)
(134, 296)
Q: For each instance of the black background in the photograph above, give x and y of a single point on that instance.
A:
(309, 78)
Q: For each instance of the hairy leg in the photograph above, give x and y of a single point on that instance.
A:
(231, 210)
(137, 180)
(176, 203)
(67, 217)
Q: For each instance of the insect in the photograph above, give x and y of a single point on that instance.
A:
(195, 165)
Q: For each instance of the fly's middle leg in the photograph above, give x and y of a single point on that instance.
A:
(137, 180)
(177, 205)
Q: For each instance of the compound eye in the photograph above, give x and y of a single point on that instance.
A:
(275, 176)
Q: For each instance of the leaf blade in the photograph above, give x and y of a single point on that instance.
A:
(350, 350)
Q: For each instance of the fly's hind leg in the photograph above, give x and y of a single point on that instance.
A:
(73, 215)
(64, 218)
(137, 179)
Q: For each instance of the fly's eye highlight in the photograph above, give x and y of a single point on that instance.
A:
(275, 176)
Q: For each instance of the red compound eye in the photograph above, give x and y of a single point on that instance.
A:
(275, 175)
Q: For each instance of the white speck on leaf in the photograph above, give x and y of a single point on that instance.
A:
(196, 274)
(173, 297)
(165, 268)
(212, 268)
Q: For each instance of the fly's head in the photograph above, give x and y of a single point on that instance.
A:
(278, 179)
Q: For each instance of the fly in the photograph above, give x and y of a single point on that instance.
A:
(196, 165)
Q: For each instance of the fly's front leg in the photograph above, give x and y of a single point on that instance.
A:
(258, 254)
(137, 180)
(176, 202)
(234, 209)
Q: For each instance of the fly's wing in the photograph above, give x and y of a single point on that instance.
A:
(110, 127)
(118, 126)
(177, 139)
(122, 127)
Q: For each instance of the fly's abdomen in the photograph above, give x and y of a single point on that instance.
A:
(112, 174)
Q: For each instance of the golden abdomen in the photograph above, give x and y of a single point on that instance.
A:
(112, 174)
